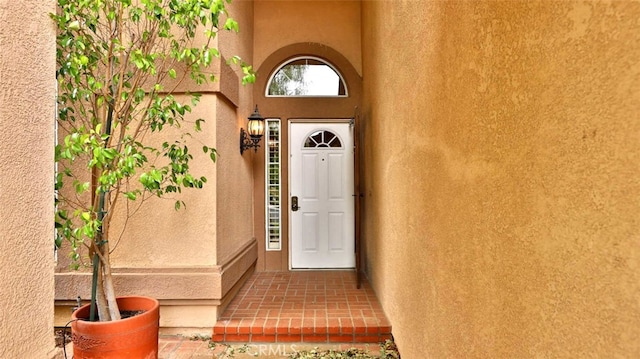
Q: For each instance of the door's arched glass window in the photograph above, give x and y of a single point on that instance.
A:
(322, 139)
(306, 76)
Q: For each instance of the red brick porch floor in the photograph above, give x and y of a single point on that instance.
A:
(303, 307)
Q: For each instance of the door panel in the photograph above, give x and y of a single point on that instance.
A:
(309, 176)
(321, 176)
(310, 222)
(336, 231)
(335, 176)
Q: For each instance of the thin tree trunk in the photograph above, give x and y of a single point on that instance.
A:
(101, 300)
(110, 294)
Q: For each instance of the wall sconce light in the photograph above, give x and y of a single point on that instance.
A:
(255, 129)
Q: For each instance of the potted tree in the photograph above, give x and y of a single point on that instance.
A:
(119, 64)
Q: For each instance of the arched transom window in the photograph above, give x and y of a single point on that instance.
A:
(321, 139)
(306, 76)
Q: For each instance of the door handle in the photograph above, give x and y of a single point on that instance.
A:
(294, 203)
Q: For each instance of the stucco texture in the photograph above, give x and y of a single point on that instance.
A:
(157, 235)
(235, 196)
(502, 177)
(190, 259)
(335, 24)
(27, 112)
(218, 216)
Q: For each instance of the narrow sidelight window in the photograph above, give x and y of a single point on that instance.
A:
(273, 168)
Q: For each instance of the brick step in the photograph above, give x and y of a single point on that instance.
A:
(304, 307)
(296, 330)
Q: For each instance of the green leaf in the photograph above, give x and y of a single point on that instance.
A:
(231, 25)
(74, 25)
(81, 187)
(172, 73)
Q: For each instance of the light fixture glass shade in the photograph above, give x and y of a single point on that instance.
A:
(255, 127)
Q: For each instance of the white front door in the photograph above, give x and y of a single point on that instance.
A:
(321, 203)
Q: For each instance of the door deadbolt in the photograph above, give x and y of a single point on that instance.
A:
(294, 203)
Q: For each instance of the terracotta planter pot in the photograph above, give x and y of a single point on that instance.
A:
(134, 337)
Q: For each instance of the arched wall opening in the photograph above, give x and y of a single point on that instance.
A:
(285, 109)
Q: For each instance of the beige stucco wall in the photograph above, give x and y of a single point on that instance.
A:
(502, 176)
(193, 259)
(27, 108)
(332, 23)
(159, 236)
(235, 182)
